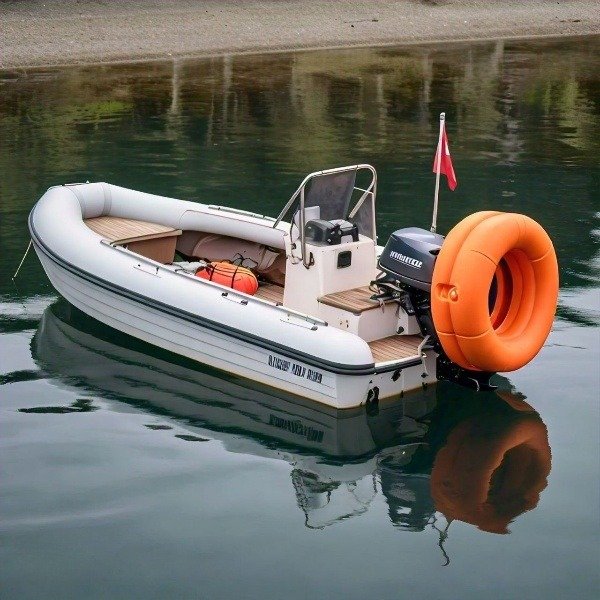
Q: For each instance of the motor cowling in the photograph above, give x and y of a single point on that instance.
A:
(407, 262)
(409, 257)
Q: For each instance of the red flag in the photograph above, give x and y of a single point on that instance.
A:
(445, 167)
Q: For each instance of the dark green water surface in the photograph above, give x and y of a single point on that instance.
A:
(129, 473)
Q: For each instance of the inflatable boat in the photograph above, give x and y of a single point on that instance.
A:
(306, 302)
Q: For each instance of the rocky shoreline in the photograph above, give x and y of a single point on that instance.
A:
(53, 32)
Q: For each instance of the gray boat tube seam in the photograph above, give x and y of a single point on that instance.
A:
(326, 365)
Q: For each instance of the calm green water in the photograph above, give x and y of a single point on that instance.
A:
(127, 472)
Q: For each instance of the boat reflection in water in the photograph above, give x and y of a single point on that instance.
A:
(482, 458)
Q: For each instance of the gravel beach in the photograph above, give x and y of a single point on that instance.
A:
(53, 32)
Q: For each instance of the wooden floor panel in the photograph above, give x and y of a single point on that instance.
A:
(115, 229)
(356, 300)
(270, 292)
(395, 347)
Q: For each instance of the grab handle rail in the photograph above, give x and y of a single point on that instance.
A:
(246, 298)
(239, 211)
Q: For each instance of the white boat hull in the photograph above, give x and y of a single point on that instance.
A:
(252, 339)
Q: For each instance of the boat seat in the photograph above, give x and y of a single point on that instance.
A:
(124, 231)
(356, 300)
(151, 240)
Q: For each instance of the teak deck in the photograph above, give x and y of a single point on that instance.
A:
(355, 301)
(395, 347)
(125, 231)
(271, 293)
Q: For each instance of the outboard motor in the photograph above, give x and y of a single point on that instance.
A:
(409, 256)
(407, 262)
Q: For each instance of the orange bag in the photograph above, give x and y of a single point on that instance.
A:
(230, 275)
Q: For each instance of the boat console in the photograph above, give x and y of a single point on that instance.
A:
(332, 253)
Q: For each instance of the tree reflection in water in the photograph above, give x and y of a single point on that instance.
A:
(241, 130)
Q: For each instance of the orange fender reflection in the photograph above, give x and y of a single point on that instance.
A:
(492, 469)
(515, 253)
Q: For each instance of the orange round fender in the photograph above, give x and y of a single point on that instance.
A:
(512, 255)
(488, 472)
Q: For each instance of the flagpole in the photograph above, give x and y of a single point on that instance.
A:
(437, 174)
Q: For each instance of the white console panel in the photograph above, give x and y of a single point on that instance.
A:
(304, 285)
